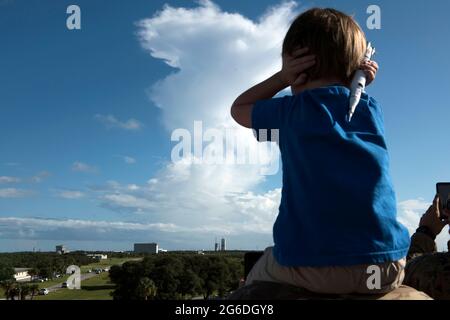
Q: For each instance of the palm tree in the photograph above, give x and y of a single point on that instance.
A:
(147, 288)
(34, 288)
(24, 290)
(13, 292)
(9, 287)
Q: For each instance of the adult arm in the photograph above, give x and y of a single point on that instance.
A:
(423, 241)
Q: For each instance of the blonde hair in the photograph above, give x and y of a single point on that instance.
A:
(334, 37)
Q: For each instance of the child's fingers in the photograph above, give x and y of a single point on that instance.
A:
(301, 67)
(303, 59)
(370, 64)
(301, 79)
(300, 51)
(370, 76)
(368, 67)
(374, 64)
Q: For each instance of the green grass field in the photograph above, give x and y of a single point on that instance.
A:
(52, 282)
(106, 263)
(96, 288)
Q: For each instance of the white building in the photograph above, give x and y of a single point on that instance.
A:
(146, 247)
(21, 274)
(98, 256)
(223, 245)
(61, 249)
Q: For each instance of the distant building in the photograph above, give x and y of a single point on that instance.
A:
(146, 247)
(21, 274)
(223, 245)
(61, 249)
(216, 245)
(161, 250)
(98, 256)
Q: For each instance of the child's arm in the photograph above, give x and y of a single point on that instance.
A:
(290, 74)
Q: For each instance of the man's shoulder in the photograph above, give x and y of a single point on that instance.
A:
(430, 273)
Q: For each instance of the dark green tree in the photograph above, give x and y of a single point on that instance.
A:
(6, 272)
(146, 288)
(34, 289)
(190, 283)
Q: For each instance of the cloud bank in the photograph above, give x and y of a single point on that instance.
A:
(111, 121)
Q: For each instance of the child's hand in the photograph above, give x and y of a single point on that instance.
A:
(292, 73)
(370, 68)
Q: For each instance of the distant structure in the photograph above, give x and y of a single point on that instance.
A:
(98, 256)
(146, 247)
(223, 245)
(216, 245)
(61, 249)
(21, 274)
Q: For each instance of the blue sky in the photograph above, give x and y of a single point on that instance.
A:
(86, 117)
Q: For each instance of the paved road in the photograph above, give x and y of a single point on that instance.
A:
(84, 276)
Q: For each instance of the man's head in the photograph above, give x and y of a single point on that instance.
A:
(334, 37)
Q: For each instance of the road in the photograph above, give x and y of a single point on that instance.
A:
(84, 276)
(56, 287)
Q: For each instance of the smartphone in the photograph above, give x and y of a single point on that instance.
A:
(443, 191)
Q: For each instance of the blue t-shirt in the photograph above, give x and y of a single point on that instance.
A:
(338, 205)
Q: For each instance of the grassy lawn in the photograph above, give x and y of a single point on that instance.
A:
(106, 263)
(52, 282)
(96, 288)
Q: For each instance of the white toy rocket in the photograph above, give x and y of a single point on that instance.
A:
(359, 84)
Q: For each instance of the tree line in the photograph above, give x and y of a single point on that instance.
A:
(19, 290)
(41, 264)
(177, 276)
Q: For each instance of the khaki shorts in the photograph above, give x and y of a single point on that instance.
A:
(331, 280)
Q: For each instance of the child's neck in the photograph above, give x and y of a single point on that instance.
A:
(318, 83)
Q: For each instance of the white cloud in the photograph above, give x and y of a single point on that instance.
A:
(198, 197)
(215, 55)
(129, 160)
(71, 194)
(6, 179)
(14, 193)
(12, 164)
(111, 121)
(40, 176)
(409, 214)
(83, 167)
(171, 236)
(410, 211)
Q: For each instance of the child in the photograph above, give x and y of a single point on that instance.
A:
(336, 231)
